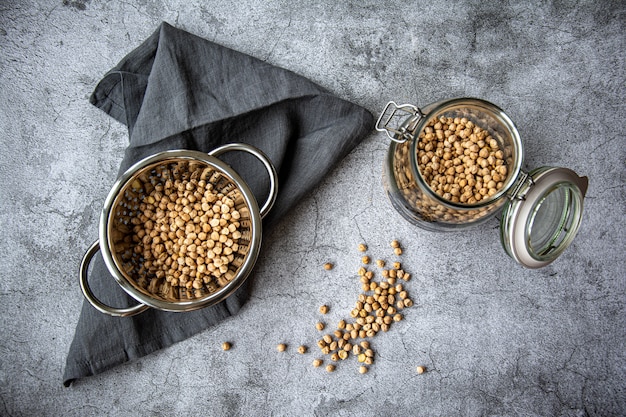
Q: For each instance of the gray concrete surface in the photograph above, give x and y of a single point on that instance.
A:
(497, 339)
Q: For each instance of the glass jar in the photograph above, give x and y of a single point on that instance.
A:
(437, 150)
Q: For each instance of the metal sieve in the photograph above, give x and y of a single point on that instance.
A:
(141, 272)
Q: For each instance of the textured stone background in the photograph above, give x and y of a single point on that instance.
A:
(497, 339)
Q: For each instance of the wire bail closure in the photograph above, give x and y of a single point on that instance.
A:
(403, 133)
(524, 181)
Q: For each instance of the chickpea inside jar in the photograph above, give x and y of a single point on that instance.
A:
(456, 163)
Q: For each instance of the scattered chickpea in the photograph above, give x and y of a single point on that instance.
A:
(226, 346)
(376, 310)
(362, 247)
(421, 369)
(302, 349)
(328, 266)
(317, 363)
(398, 251)
(281, 347)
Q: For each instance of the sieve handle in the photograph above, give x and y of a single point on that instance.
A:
(99, 305)
(267, 206)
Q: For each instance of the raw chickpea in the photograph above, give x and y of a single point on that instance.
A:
(226, 346)
(328, 266)
(468, 149)
(330, 368)
(281, 347)
(302, 349)
(374, 311)
(362, 247)
(363, 369)
(317, 363)
(421, 370)
(172, 231)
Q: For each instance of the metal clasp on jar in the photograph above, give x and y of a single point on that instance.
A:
(406, 130)
(521, 186)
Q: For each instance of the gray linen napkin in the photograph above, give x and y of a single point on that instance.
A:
(179, 91)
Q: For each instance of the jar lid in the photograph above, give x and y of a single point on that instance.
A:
(543, 216)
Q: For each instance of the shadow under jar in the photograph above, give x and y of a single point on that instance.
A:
(456, 163)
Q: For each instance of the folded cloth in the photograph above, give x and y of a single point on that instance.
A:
(179, 91)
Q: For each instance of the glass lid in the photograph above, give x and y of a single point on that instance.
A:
(543, 216)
